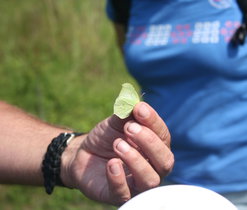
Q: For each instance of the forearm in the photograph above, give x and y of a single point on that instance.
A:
(23, 143)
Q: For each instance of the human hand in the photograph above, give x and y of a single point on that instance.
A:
(119, 158)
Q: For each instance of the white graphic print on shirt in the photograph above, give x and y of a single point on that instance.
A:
(210, 32)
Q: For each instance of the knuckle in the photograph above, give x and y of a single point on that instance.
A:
(119, 194)
(124, 199)
(165, 136)
(150, 137)
(154, 182)
(121, 199)
(134, 157)
(169, 163)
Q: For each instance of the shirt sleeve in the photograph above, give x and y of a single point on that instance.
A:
(118, 11)
(111, 13)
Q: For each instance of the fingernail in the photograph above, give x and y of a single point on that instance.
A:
(115, 169)
(134, 128)
(143, 111)
(123, 147)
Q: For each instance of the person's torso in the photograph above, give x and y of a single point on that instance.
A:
(179, 51)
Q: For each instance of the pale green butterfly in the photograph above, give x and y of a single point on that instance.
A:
(126, 101)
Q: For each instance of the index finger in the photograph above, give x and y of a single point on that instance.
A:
(148, 117)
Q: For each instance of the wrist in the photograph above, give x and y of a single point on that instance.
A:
(67, 159)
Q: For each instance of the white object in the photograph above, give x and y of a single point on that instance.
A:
(178, 197)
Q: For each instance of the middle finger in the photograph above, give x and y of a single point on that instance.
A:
(145, 177)
(152, 146)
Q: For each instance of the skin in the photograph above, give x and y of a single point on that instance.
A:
(107, 164)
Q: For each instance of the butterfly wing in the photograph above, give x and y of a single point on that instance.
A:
(126, 101)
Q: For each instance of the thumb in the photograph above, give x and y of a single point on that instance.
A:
(118, 124)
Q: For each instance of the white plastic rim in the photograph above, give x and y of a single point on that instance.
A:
(178, 197)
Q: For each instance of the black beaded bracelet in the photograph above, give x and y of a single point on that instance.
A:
(52, 160)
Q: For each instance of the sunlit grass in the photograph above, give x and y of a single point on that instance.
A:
(59, 61)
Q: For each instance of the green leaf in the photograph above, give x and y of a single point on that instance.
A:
(126, 101)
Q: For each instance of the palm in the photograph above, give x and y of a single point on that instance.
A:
(96, 151)
(92, 175)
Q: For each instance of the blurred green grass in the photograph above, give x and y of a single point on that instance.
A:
(59, 61)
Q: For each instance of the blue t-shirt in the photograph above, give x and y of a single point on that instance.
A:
(179, 52)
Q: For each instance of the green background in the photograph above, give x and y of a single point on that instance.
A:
(58, 61)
